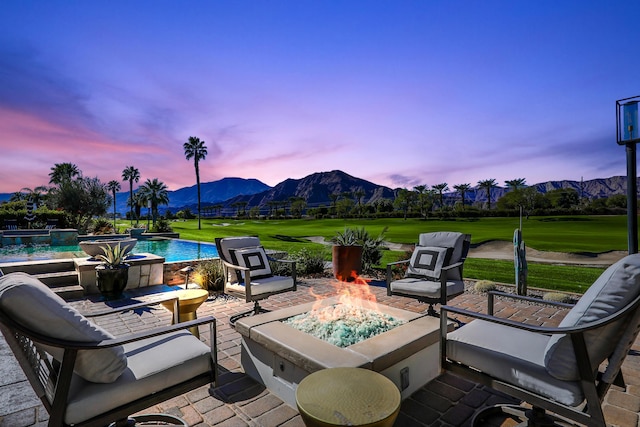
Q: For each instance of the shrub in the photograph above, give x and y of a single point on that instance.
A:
(557, 297)
(101, 226)
(210, 275)
(485, 286)
(163, 226)
(309, 261)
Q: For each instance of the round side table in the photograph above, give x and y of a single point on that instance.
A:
(188, 302)
(347, 397)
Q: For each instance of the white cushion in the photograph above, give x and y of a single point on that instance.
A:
(614, 289)
(263, 285)
(31, 303)
(154, 364)
(253, 258)
(427, 261)
(425, 288)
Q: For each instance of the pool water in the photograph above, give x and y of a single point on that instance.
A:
(171, 249)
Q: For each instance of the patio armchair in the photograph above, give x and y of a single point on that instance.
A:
(565, 370)
(434, 272)
(84, 375)
(248, 275)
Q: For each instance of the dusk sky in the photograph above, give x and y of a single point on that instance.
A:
(400, 93)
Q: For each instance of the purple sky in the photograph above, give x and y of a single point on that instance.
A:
(400, 93)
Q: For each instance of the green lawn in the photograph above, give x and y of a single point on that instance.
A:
(578, 234)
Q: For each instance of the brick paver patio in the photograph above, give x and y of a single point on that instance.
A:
(240, 401)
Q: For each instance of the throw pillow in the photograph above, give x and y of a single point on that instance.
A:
(253, 258)
(427, 261)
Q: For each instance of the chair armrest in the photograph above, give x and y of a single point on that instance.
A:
(287, 261)
(124, 339)
(388, 275)
(493, 294)
(543, 329)
(452, 266)
(404, 261)
(233, 266)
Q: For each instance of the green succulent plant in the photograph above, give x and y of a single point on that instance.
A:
(113, 255)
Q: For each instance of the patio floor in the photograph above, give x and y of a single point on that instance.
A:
(240, 401)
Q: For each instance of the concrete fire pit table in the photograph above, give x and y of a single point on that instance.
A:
(280, 356)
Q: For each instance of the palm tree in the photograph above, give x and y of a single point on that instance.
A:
(462, 189)
(440, 188)
(421, 190)
(36, 195)
(156, 192)
(196, 149)
(487, 184)
(61, 172)
(131, 174)
(516, 183)
(114, 187)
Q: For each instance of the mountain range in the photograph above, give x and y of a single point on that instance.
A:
(318, 188)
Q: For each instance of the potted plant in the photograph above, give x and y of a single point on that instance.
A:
(354, 252)
(346, 255)
(112, 274)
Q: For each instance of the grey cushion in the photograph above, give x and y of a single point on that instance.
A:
(512, 355)
(154, 364)
(425, 288)
(31, 303)
(614, 289)
(253, 258)
(263, 285)
(427, 261)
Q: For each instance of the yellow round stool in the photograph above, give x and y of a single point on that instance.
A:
(188, 302)
(347, 397)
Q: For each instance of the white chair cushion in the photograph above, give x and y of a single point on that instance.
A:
(427, 261)
(253, 258)
(512, 355)
(31, 303)
(425, 288)
(154, 364)
(263, 285)
(614, 289)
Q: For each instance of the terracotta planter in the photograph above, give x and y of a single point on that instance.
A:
(347, 262)
(112, 282)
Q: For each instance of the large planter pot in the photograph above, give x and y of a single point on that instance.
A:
(347, 262)
(112, 281)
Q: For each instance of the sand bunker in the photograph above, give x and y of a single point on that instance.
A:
(504, 251)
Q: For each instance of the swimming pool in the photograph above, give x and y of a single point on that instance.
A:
(171, 249)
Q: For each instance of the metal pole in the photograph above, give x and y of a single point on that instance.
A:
(632, 198)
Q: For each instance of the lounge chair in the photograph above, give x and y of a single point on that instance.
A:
(434, 272)
(248, 273)
(51, 224)
(566, 370)
(10, 224)
(85, 376)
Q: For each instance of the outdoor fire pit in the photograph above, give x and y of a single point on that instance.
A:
(280, 356)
